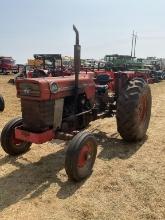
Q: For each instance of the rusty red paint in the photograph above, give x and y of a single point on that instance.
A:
(37, 138)
(83, 156)
(66, 85)
(14, 140)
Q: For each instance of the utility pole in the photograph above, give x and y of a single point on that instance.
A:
(135, 43)
(133, 47)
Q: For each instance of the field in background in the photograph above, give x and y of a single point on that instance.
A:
(128, 181)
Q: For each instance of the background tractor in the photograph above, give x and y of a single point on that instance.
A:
(132, 66)
(45, 65)
(61, 107)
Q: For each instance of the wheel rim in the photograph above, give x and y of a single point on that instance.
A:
(143, 108)
(15, 141)
(85, 156)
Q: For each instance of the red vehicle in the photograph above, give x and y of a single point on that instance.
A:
(145, 74)
(49, 65)
(6, 64)
(61, 107)
(17, 68)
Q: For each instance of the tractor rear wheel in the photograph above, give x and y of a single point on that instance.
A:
(9, 143)
(134, 110)
(2, 104)
(80, 156)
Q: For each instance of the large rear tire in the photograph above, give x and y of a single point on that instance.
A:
(9, 143)
(80, 156)
(2, 104)
(134, 110)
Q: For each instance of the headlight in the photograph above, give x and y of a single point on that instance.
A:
(53, 87)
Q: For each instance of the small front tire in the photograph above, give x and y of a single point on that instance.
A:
(9, 143)
(80, 156)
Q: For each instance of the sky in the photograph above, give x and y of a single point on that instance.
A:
(105, 26)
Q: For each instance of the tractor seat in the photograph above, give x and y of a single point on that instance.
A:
(103, 79)
(38, 73)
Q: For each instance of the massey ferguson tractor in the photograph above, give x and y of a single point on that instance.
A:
(61, 107)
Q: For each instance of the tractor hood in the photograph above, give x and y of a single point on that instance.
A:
(49, 88)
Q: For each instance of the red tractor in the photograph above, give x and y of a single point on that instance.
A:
(50, 65)
(62, 107)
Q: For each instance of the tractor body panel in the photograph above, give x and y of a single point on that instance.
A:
(39, 88)
(37, 138)
(44, 109)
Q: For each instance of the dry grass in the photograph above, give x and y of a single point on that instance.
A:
(128, 181)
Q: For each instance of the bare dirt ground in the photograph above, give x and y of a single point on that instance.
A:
(128, 181)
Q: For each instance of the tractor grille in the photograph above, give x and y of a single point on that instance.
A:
(37, 115)
(29, 89)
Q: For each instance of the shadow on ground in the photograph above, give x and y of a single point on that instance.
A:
(32, 179)
(113, 146)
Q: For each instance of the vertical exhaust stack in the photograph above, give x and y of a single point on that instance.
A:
(77, 50)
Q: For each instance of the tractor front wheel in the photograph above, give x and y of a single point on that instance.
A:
(80, 156)
(134, 110)
(9, 143)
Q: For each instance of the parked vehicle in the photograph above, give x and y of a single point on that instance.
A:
(45, 65)
(61, 107)
(6, 64)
